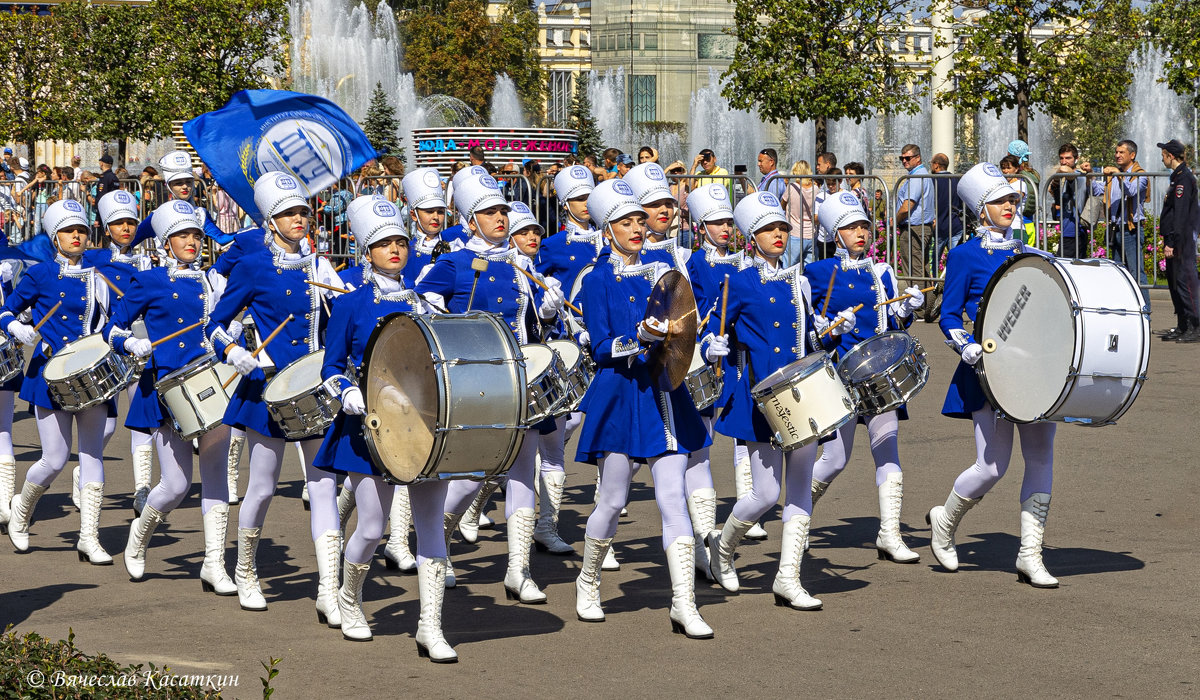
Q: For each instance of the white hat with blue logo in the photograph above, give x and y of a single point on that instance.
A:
(572, 182)
(982, 184)
(757, 210)
(476, 192)
(612, 200)
(176, 165)
(649, 183)
(117, 205)
(63, 214)
(520, 216)
(423, 189)
(276, 192)
(709, 203)
(175, 216)
(373, 218)
(841, 209)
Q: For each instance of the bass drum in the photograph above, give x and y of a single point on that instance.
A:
(1063, 340)
(446, 396)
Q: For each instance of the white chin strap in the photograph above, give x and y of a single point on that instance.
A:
(1001, 232)
(707, 236)
(612, 237)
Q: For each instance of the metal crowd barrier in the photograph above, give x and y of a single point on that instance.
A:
(737, 185)
(938, 221)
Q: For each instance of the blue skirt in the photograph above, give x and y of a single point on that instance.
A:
(34, 389)
(965, 395)
(248, 411)
(145, 412)
(344, 450)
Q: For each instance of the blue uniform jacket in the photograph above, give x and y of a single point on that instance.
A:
(564, 255)
(706, 269)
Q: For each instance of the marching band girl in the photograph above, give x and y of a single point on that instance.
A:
(969, 268)
(84, 309)
(770, 314)
(564, 256)
(176, 168)
(170, 298)
(649, 184)
(427, 209)
(382, 240)
(860, 280)
(448, 284)
(272, 299)
(8, 401)
(628, 417)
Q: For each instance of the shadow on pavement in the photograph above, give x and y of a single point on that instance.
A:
(997, 551)
(15, 606)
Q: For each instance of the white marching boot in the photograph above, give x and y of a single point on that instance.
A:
(943, 523)
(349, 600)
(213, 577)
(245, 574)
(518, 582)
(449, 524)
(721, 547)
(143, 474)
(8, 485)
(1030, 568)
(685, 618)
(888, 542)
(91, 499)
(587, 584)
(545, 535)
(610, 562)
(396, 553)
(432, 590)
(787, 588)
(345, 506)
(702, 507)
(469, 523)
(140, 531)
(233, 461)
(329, 555)
(743, 481)
(20, 510)
(75, 487)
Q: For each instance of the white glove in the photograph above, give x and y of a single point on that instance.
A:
(235, 329)
(6, 272)
(241, 360)
(905, 307)
(138, 347)
(652, 330)
(553, 300)
(847, 324)
(352, 402)
(584, 338)
(972, 353)
(23, 332)
(717, 348)
(820, 323)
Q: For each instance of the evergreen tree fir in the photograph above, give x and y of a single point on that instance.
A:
(381, 125)
(580, 118)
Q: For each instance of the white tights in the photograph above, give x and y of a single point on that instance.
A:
(519, 491)
(882, 430)
(768, 465)
(175, 469)
(373, 499)
(266, 461)
(54, 432)
(8, 400)
(993, 450)
(616, 474)
(699, 466)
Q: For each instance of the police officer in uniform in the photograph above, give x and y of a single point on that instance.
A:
(1179, 223)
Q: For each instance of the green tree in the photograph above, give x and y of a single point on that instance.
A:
(1175, 26)
(381, 125)
(1060, 56)
(581, 119)
(817, 60)
(36, 93)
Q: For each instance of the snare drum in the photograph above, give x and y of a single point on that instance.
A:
(1063, 340)
(446, 396)
(85, 373)
(12, 359)
(577, 375)
(192, 395)
(803, 401)
(884, 372)
(298, 401)
(543, 370)
(702, 381)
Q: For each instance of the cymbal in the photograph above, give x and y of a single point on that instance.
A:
(672, 301)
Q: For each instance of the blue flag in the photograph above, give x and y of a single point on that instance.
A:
(258, 131)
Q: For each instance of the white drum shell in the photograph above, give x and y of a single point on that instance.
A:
(804, 401)
(193, 396)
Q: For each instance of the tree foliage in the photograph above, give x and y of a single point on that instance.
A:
(817, 60)
(1175, 26)
(580, 118)
(1060, 56)
(380, 125)
(37, 97)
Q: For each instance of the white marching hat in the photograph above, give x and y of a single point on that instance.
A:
(63, 214)
(175, 216)
(373, 218)
(423, 189)
(520, 216)
(841, 209)
(982, 184)
(757, 210)
(574, 181)
(275, 192)
(176, 165)
(611, 200)
(649, 183)
(709, 203)
(117, 205)
(476, 192)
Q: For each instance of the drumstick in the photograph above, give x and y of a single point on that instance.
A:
(176, 334)
(836, 321)
(47, 316)
(724, 306)
(260, 347)
(328, 286)
(339, 268)
(904, 296)
(829, 292)
(578, 311)
(111, 286)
